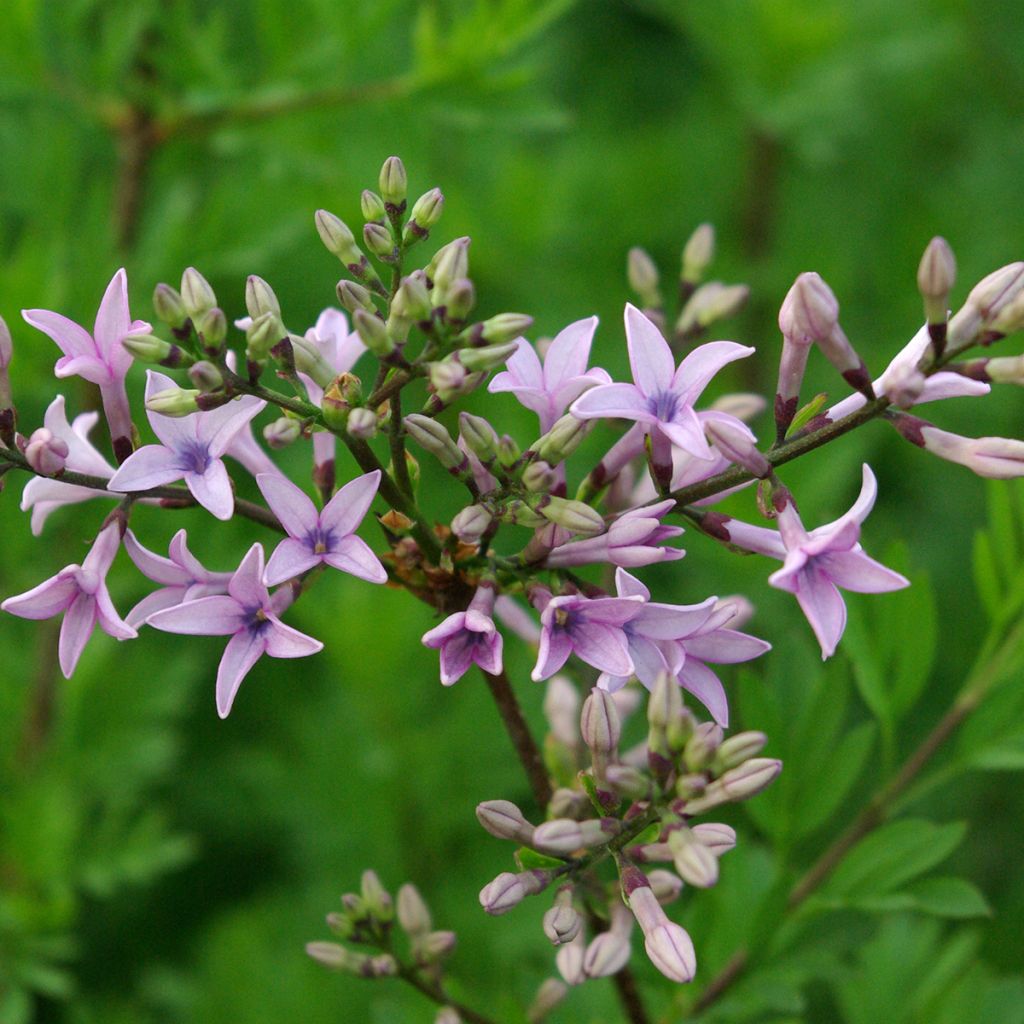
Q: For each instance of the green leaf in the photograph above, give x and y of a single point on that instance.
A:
(986, 575)
(531, 860)
(948, 897)
(807, 413)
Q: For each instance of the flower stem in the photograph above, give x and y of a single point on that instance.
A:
(435, 993)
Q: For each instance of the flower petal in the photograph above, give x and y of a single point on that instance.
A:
(157, 601)
(345, 511)
(602, 646)
(75, 630)
(73, 339)
(725, 647)
(246, 584)
(856, 571)
(698, 679)
(552, 653)
(242, 652)
(823, 605)
(154, 567)
(613, 401)
(354, 556)
(113, 322)
(289, 559)
(152, 465)
(650, 356)
(568, 353)
(697, 369)
(207, 616)
(212, 489)
(50, 598)
(289, 503)
(285, 642)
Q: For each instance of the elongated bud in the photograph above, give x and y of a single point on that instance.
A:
(737, 749)
(434, 947)
(562, 923)
(694, 862)
(562, 711)
(698, 253)
(413, 913)
(999, 458)
(372, 207)
(549, 995)
(196, 293)
(412, 300)
(174, 402)
(737, 446)
(508, 890)
(737, 784)
(481, 360)
(503, 819)
(569, 960)
(394, 182)
(262, 335)
(426, 212)
(260, 297)
(606, 955)
(701, 746)
(670, 948)
(355, 297)
(562, 439)
(460, 300)
(1004, 369)
(573, 515)
(450, 263)
(150, 349)
(337, 237)
(986, 301)
(629, 782)
(205, 376)
(539, 477)
(377, 899)
(665, 702)
(480, 437)
(471, 523)
(809, 311)
(212, 327)
(505, 327)
(642, 273)
(379, 241)
(282, 432)
(569, 803)
(716, 837)
(711, 302)
(336, 957)
(45, 453)
(434, 438)
(373, 333)
(169, 306)
(362, 424)
(665, 885)
(936, 276)
(600, 724)
(562, 836)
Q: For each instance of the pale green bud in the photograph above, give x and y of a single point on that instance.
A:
(282, 432)
(460, 300)
(539, 477)
(147, 347)
(362, 424)
(701, 746)
(505, 327)
(426, 212)
(434, 438)
(373, 332)
(562, 439)
(479, 435)
(413, 913)
(372, 206)
(196, 293)
(173, 402)
(642, 273)
(212, 327)
(694, 862)
(377, 899)
(737, 749)
(337, 237)
(508, 451)
(936, 276)
(433, 947)
(169, 306)
(378, 240)
(450, 263)
(471, 523)
(394, 182)
(573, 515)
(698, 253)
(711, 302)
(484, 359)
(354, 296)
(205, 375)
(412, 300)
(260, 297)
(551, 992)
(262, 335)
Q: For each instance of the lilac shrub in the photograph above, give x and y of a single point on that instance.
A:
(507, 566)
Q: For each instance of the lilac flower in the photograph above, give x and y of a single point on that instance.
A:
(468, 638)
(191, 448)
(590, 628)
(631, 540)
(326, 537)
(43, 496)
(818, 562)
(679, 639)
(249, 615)
(98, 357)
(661, 398)
(80, 592)
(550, 388)
(183, 576)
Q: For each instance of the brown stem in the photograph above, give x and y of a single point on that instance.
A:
(629, 997)
(522, 739)
(437, 994)
(42, 697)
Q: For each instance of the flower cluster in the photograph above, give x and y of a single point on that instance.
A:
(545, 548)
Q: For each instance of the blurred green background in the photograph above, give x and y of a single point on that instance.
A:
(157, 864)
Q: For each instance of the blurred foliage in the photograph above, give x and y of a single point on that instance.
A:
(157, 864)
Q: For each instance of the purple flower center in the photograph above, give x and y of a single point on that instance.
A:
(256, 621)
(319, 540)
(194, 457)
(663, 405)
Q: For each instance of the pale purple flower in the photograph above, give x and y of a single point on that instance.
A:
(80, 593)
(43, 496)
(243, 447)
(668, 945)
(46, 453)
(183, 576)
(468, 638)
(818, 562)
(326, 537)
(679, 640)
(661, 397)
(631, 540)
(249, 615)
(590, 628)
(999, 458)
(550, 388)
(191, 448)
(98, 357)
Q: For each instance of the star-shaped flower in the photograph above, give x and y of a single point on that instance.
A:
(191, 449)
(327, 536)
(549, 388)
(80, 593)
(249, 615)
(468, 638)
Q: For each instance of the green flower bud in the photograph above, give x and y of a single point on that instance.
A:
(450, 263)
(573, 515)
(262, 335)
(212, 328)
(377, 898)
(460, 300)
(337, 237)
(434, 438)
(539, 477)
(173, 402)
(479, 435)
(373, 332)
(562, 439)
(372, 206)
(936, 276)
(508, 451)
(196, 293)
(642, 273)
(260, 297)
(413, 914)
(412, 300)
(505, 327)
(169, 306)
(426, 212)
(736, 749)
(282, 432)
(711, 302)
(698, 253)
(148, 347)
(354, 296)
(487, 358)
(394, 182)
(205, 376)
(379, 241)
(361, 423)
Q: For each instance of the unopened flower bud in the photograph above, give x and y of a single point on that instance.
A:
(665, 702)
(573, 515)
(508, 890)
(434, 946)
(196, 293)
(505, 327)
(694, 862)
(562, 711)
(413, 914)
(936, 276)
(471, 523)
(45, 453)
(716, 837)
(738, 784)
(450, 263)
(809, 311)
(205, 375)
(460, 300)
(434, 438)
(378, 240)
(383, 965)
(372, 206)
(479, 435)
(148, 348)
(282, 432)
(173, 402)
(606, 955)
(412, 300)
(508, 450)
(426, 212)
(701, 746)
(642, 273)
(1005, 369)
(447, 1015)
(539, 477)
(569, 960)
(377, 899)
(477, 360)
(665, 885)
(711, 302)
(562, 439)
(212, 327)
(337, 237)
(373, 333)
(629, 782)
(670, 948)
(394, 182)
(549, 995)
(169, 306)
(737, 749)
(260, 297)
(362, 424)
(341, 924)
(600, 724)
(904, 384)
(562, 923)
(698, 253)
(449, 379)
(736, 444)
(503, 819)
(563, 836)
(336, 957)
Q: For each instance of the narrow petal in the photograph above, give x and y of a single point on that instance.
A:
(523, 370)
(152, 566)
(552, 653)
(165, 597)
(242, 652)
(671, 621)
(208, 616)
(289, 503)
(856, 571)
(220, 426)
(648, 660)
(109, 621)
(212, 489)
(725, 647)
(103, 551)
(75, 630)
(615, 611)
(823, 605)
(90, 368)
(289, 559)
(436, 637)
(697, 369)
(865, 500)
(488, 654)
(458, 654)
(152, 465)
(113, 322)
(285, 642)
(602, 646)
(246, 585)
(627, 585)
(73, 339)
(354, 556)
(650, 357)
(686, 432)
(50, 598)
(613, 401)
(568, 353)
(194, 569)
(698, 679)
(345, 511)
